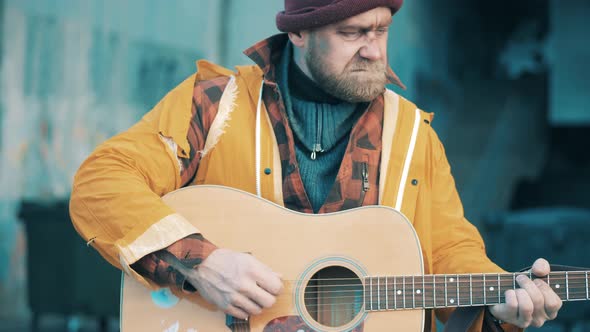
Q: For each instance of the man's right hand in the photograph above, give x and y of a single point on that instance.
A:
(235, 282)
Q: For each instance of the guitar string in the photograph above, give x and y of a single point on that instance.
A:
(573, 292)
(397, 299)
(572, 295)
(381, 296)
(431, 299)
(461, 287)
(425, 294)
(427, 287)
(571, 276)
(428, 305)
(426, 283)
(579, 281)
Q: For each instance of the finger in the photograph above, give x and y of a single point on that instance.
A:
(277, 274)
(534, 293)
(552, 301)
(537, 298)
(541, 267)
(260, 296)
(507, 311)
(236, 312)
(268, 280)
(247, 305)
(525, 308)
(511, 305)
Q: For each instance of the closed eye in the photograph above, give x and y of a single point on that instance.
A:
(350, 35)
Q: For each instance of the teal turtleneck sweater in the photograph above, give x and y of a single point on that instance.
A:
(321, 126)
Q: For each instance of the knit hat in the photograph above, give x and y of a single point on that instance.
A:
(308, 14)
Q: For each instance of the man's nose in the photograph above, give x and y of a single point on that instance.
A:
(371, 50)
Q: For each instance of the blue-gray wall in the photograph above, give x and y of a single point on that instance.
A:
(76, 72)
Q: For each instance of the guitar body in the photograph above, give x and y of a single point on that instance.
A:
(368, 241)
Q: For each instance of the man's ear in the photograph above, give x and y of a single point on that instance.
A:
(297, 38)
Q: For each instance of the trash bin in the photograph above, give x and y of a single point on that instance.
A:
(65, 277)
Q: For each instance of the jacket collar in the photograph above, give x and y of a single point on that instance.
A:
(267, 54)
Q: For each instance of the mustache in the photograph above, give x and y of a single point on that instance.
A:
(367, 65)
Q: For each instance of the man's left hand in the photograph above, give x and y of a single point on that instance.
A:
(533, 303)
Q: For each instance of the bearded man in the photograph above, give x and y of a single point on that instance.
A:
(317, 97)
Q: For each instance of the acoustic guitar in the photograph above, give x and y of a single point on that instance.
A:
(356, 270)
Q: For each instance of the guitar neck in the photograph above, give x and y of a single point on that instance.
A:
(461, 290)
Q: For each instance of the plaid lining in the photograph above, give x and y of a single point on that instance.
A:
(363, 153)
(206, 97)
(364, 146)
(163, 266)
(192, 250)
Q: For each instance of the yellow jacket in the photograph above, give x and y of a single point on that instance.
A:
(116, 206)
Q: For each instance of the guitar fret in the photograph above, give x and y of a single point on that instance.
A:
(458, 297)
(485, 287)
(455, 283)
(371, 289)
(433, 291)
(413, 293)
(506, 284)
(490, 297)
(378, 295)
(404, 290)
(499, 287)
(470, 289)
(386, 297)
(423, 292)
(514, 280)
(567, 287)
(558, 285)
(384, 289)
(384, 293)
(446, 297)
(365, 293)
(477, 287)
(391, 285)
(465, 291)
(419, 291)
(395, 292)
(587, 297)
(428, 291)
(577, 286)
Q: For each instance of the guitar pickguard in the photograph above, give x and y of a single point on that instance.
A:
(294, 324)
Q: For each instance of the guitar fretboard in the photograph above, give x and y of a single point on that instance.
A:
(455, 290)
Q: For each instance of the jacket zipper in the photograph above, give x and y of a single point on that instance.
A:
(317, 147)
(365, 180)
(365, 177)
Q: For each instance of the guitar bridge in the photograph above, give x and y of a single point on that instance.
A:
(237, 324)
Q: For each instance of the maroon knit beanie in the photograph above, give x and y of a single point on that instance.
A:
(308, 14)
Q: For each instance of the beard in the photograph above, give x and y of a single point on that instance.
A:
(361, 80)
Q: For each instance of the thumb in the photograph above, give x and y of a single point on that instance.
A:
(541, 267)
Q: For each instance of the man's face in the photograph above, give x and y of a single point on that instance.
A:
(348, 59)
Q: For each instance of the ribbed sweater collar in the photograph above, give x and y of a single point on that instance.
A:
(314, 117)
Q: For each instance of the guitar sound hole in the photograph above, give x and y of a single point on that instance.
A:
(334, 296)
